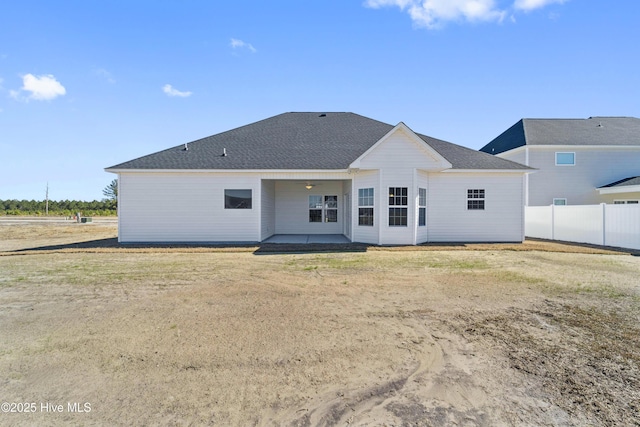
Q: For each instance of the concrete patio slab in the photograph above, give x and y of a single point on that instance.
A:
(307, 238)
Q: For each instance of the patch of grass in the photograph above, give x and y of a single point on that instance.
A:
(603, 291)
(515, 277)
(458, 264)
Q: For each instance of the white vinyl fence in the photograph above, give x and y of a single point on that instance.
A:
(609, 225)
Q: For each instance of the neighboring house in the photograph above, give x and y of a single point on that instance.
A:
(579, 161)
(320, 173)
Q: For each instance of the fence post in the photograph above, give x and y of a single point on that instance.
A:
(553, 222)
(604, 224)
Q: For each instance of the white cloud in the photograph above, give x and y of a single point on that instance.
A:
(41, 88)
(171, 91)
(528, 5)
(435, 13)
(239, 44)
(101, 72)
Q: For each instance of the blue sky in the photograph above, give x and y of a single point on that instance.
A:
(88, 84)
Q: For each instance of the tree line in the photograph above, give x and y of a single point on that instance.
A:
(104, 207)
(58, 207)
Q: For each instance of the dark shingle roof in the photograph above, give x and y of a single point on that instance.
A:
(634, 180)
(618, 131)
(298, 141)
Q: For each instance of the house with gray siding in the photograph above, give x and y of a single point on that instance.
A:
(320, 174)
(578, 161)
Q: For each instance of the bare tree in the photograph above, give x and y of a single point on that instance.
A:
(111, 190)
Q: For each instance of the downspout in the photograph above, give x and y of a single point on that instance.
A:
(526, 177)
(416, 196)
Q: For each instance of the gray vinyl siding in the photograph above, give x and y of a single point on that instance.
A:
(449, 220)
(594, 168)
(518, 155)
(185, 207)
(268, 214)
(397, 235)
(363, 233)
(292, 207)
(422, 234)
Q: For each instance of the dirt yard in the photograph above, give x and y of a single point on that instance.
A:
(93, 333)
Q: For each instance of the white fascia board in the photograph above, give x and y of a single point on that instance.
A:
(515, 171)
(570, 147)
(444, 163)
(620, 190)
(228, 170)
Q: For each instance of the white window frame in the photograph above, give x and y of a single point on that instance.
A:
(228, 194)
(366, 201)
(324, 208)
(566, 152)
(422, 206)
(560, 199)
(398, 203)
(479, 195)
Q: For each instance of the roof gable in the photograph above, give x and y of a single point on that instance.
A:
(403, 146)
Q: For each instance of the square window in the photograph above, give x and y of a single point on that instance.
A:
(315, 215)
(315, 202)
(398, 196)
(560, 202)
(475, 199)
(365, 216)
(331, 202)
(323, 208)
(365, 197)
(398, 217)
(237, 199)
(565, 159)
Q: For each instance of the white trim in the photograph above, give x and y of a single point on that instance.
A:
(346, 171)
(526, 180)
(443, 163)
(567, 147)
(620, 190)
(118, 205)
(522, 171)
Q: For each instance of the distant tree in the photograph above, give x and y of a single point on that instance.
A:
(111, 190)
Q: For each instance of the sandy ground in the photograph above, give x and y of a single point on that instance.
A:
(477, 335)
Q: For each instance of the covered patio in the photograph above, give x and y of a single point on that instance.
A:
(307, 238)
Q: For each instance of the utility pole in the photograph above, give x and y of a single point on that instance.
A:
(46, 206)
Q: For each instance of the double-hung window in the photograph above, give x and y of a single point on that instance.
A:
(475, 199)
(323, 208)
(398, 197)
(365, 206)
(422, 207)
